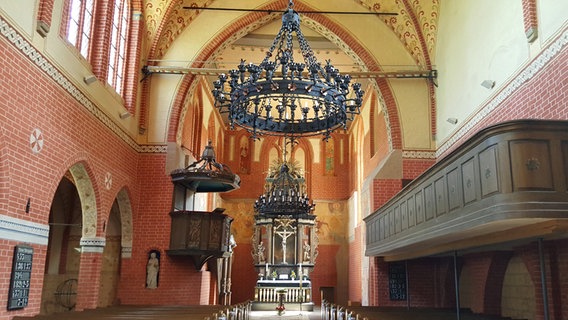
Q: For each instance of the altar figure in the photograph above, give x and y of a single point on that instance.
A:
(306, 251)
(260, 253)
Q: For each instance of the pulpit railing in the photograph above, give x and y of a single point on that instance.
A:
(292, 295)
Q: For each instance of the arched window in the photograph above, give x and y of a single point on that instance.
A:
(118, 42)
(79, 25)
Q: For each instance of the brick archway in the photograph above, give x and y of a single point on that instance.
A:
(86, 192)
(125, 206)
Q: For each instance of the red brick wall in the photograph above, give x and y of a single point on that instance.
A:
(325, 271)
(431, 280)
(374, 280)
(559, 278)
(88, 282)
(412, 168)
(179, 282)
(384, 190)
(29, 100)
(314, 172)
(356, 250)
(488, 271)
(556, 261)
(244, 275)
(430, 283)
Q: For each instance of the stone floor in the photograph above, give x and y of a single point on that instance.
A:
(379, 314)
(288, 315)
(200, 312)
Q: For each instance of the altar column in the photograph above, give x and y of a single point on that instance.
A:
(269, 245)
(300, 244)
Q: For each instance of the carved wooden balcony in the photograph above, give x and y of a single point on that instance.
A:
(508, 182)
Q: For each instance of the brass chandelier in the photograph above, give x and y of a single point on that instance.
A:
(286, 98)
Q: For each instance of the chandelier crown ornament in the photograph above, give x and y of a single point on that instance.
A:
(283, 97)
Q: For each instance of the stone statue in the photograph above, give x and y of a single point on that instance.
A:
(260, 252)
(152, 268)
(306, 252)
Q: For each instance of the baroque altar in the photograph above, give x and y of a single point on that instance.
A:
(284, 240)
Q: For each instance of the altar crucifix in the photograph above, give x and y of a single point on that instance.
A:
(284, 230)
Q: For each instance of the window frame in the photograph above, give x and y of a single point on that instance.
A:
(79, 32)
(119, 39)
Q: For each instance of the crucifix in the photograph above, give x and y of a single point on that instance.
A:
(284, 232)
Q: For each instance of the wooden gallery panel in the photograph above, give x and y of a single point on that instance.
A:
(391, 222)
(429, 201)
(418, 197)
(530, 165)
(404, 215)
(440, 194)
(382, 231)
(375, 229)
(488, 160)
(468, 181)
(454, 196)
(411, 205)
(397, 220)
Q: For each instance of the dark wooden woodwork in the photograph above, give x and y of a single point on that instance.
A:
(504, 179)
(200, 234)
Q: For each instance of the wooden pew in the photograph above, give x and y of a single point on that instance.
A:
(135, 312)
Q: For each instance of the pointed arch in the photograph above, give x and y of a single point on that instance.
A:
(211, 128)
(192, 125)
(125, 207)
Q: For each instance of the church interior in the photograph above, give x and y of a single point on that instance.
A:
(284, 155)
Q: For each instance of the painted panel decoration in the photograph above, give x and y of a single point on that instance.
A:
(530, 165)
(454, 196)
(468, 181)
(488, 170)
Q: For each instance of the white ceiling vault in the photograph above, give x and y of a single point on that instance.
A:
(178, 37)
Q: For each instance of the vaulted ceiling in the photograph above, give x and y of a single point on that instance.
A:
(400, 35)
(415, 22)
